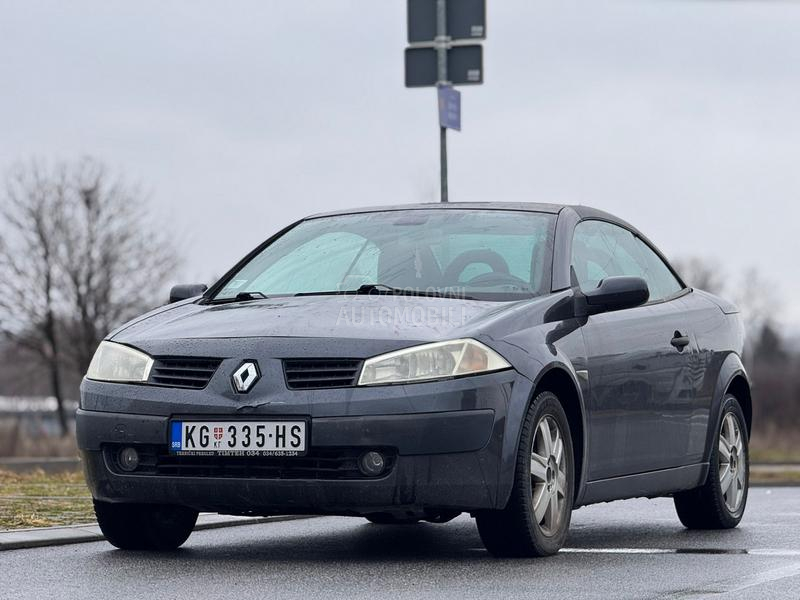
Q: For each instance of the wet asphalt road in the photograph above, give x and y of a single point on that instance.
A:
(631, 549)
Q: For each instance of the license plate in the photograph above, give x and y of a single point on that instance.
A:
(238, 438)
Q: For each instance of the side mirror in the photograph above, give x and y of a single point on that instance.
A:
(617, 293)
(186, 291)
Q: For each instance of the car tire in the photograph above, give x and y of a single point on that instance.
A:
(536, 518)
(387, 519)
(720, 502)
(145, 526)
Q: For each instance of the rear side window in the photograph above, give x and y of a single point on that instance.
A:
(601, 250)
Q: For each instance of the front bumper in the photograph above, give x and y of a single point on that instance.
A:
(454, 456)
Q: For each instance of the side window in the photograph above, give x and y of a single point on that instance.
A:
(660, 280)
(601, 250)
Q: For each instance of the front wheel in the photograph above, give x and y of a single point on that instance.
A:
(145, 526)
(536, 519)
(719, 503)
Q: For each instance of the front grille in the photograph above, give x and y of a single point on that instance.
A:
(327, 463)
(318, 373)
(183, 371)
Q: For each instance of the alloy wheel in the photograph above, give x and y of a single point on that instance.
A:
(548, 475)
(732, 463)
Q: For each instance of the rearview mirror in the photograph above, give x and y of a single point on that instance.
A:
(617, 293)
(186, 291)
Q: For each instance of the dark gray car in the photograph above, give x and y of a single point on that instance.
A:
(514, 361)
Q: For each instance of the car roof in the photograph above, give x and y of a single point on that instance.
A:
(584, 212)
(524, 206)
(541, 207)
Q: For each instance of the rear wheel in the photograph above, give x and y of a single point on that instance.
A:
(145, 526)
(719, 503)
(536, 519)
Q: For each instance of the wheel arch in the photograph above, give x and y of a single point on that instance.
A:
(561, 381)
(731, 379)
(739, 387)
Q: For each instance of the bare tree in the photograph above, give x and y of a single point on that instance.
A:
(758, 299)
(701, 273)
(115, 261)
(755, 295)
(78, 256)
(33, 219)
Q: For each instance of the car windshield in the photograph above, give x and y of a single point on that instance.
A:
(480, 254)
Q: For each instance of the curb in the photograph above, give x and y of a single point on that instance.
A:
(17, 539)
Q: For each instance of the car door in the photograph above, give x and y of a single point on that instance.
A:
(638, 360)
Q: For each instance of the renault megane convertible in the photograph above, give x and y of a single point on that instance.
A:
(512, 361)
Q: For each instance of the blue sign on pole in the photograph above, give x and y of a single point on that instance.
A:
(449, 107)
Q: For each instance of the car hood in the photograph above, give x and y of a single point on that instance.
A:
(387, 317)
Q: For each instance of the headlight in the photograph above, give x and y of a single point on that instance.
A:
(115, 362)
(431, 361)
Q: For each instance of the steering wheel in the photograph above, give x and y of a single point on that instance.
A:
(495, 262)
(494, 278)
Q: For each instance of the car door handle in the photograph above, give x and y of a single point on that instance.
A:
(680, 341)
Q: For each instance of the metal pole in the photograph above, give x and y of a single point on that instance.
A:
(441, 49)
(443, 160)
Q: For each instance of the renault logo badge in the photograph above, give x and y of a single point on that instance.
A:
(245, 376)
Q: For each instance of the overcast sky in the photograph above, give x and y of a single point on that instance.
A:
(682, 116)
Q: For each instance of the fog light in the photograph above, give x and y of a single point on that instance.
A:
(372, 463)
(128, 459)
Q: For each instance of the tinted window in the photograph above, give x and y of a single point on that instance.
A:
(484, 254)
(601, 250)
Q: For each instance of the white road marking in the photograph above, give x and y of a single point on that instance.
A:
(617, 551)
(763, 577)
(754, 552)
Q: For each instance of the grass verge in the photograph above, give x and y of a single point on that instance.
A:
(774, 477)
(39, 499)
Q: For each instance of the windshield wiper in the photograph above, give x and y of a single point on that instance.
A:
(378, 288)
(240, 297)
(251, 296)
(384, 289)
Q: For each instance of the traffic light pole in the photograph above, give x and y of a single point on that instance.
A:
(442, 42)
